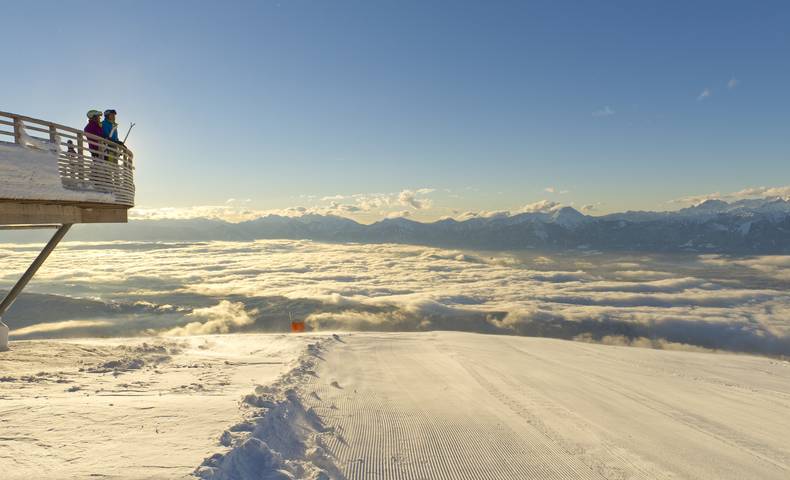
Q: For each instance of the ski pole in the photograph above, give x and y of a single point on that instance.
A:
(128, 132)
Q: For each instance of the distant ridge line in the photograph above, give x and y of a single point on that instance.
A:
(744, 227)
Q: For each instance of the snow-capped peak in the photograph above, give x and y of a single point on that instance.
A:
(568, 217)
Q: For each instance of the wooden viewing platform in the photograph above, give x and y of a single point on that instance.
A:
(96, 175)
(54, 176)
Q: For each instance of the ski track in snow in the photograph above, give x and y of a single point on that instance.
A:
(468, 406)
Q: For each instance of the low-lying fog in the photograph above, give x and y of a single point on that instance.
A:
(668, 301)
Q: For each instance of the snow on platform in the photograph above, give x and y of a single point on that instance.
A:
(436, 405)
(32, 174)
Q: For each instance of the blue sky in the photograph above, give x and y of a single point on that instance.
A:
(482, 105)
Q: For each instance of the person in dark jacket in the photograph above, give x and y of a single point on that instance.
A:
(100, 173)
(94, 127)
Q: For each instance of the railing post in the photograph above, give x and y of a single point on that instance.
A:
(80, 145)
(18, 130)
(82, 169)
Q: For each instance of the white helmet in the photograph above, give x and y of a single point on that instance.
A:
(93, 113)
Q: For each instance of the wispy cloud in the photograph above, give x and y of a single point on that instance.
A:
(483, 214)
(367, 202)
(746, 193)
(733, 83)
(410, 198)
(344, 208)
(705, 94)
(776, 266)
(606, 111)
(399, 214)
(236, 210)
(542, 206)
(221, 318)
(230, 212)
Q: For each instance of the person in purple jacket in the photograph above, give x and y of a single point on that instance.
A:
(94, 127)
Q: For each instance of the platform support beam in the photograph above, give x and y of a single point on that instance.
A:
(26, 277)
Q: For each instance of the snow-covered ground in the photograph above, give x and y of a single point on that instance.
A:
(436, 405)
(32, 174)
(128, 408)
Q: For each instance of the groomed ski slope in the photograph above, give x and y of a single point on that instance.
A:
(468, 406)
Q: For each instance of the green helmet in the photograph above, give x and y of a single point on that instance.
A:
(93, 113)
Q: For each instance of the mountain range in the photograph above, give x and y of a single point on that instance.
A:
(754, 226)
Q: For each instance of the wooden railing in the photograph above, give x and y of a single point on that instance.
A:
(86, 162)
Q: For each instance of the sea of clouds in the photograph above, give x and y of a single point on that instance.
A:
(148, 288)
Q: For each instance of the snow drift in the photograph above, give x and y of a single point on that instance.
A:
(281, 438)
